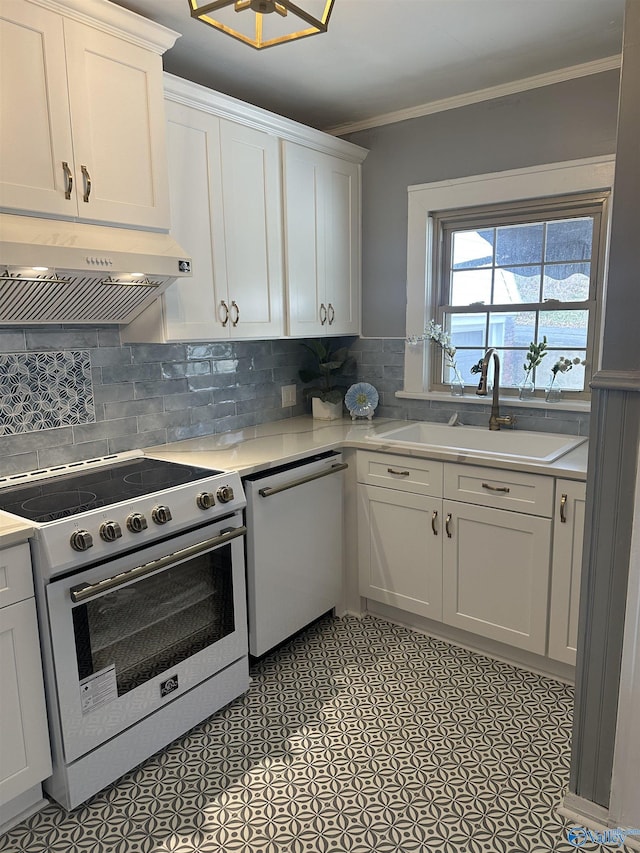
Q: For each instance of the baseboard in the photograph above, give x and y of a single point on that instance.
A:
(474, 643)
(588, 816)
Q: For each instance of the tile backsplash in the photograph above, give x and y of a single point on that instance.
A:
(89, 395)
(381, 362)
(45, 390)
(138, 394)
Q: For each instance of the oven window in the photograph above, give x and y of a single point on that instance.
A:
(150, 626)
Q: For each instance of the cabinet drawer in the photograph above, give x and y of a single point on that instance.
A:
(406, 474)
(511, 490)
(16, 581)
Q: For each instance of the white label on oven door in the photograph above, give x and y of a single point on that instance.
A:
(98, 689)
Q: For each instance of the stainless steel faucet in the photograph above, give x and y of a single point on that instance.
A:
(496, 420)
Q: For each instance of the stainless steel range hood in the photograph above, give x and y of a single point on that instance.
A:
(53, 271)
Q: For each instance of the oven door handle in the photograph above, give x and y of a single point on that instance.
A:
(85, 591)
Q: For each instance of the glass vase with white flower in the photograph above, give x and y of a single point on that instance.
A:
(562, 365)
(441, 338)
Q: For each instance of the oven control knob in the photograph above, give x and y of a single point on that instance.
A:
(161, 514)
(81, 540)
(136, 522)
(205, 500)
(110, 531)
(224, 494)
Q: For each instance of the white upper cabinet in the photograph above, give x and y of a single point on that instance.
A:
(322, 242)
(225, 210)
(82, 114)
(259, 202)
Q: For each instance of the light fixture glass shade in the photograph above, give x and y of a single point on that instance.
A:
(264, 23)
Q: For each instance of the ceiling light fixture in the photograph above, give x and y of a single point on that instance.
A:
(264, 29)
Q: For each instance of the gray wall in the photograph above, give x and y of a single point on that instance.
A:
(565, 121)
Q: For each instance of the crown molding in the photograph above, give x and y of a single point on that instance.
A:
(585, 69)
(116, 21)
(208, 100)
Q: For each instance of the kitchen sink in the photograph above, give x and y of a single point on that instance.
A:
(477, 441)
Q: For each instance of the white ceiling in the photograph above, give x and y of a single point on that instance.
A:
(381, 57)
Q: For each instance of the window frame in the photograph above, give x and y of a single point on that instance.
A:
(445, 223)
(594, 174)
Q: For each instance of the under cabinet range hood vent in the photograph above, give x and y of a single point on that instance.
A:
(69, 272)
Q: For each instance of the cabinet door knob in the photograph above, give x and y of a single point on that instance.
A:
(323, 314)
(331, 313)
(399, 473)
(237, 318)
(87, 183)
(563, 509)
(434, 518)
(446, 525)
(224, 305)
(68, 177)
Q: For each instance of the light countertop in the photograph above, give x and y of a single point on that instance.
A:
(268, 445)
(13, 531)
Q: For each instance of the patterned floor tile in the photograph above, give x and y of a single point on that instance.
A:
(358, 736)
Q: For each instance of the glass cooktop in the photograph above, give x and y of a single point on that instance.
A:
(80, 491)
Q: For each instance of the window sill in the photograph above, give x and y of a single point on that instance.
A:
(469, 397)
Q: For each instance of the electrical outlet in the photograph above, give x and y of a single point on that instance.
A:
(288, 395)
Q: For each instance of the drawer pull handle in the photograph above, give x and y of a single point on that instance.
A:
(491, 488)
(434, 518)
(563, 509)
(446, 525)
(399, 473)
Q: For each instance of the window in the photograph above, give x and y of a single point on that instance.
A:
(486, 256)
(508, 275)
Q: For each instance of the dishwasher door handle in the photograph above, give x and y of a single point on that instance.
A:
(269, 490)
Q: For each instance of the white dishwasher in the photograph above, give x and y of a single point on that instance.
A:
(294, 547)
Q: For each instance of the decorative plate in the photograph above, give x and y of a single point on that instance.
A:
(361, 399)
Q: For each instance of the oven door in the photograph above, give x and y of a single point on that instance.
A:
(132, 634)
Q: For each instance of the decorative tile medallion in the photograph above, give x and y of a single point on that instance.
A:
(45, 390)
(358, 736)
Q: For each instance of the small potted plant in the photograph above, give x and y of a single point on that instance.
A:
(328, 364)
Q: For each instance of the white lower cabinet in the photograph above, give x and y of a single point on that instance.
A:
(495, 577)
(25, 757)
(566, 567)
(400, 549)
(474, 564)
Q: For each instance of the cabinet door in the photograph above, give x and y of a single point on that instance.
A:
(25, 758)
(304, 240)
(342, 246)
(496, 574)
(191, 307)
(252, 231)
(566, 568)
(400, 549)
(322, 242)
(117, 117)
(35, 130)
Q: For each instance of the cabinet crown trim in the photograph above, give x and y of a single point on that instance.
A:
(116, 21)
(202, 98)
